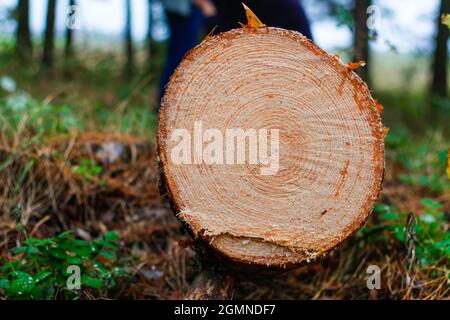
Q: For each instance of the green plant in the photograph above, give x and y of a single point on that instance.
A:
(432, 240)
(39, 268)
(19, 111)
(88, 169)
(423, 162)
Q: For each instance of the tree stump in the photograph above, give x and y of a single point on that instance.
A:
(318, 119)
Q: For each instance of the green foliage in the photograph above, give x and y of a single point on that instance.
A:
(343, 14)
(88, 169)
(137, 120)
(38, 269)
(424, 163)
(19, 111)
(432, 239)
(340, 10)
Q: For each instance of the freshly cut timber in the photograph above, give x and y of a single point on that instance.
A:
(271, 150)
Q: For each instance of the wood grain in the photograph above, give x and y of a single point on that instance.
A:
(331, 147)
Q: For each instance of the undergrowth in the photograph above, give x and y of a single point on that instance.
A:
(41, 268)
(427, 233)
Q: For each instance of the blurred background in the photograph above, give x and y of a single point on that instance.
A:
(111, 54)
(80, 85)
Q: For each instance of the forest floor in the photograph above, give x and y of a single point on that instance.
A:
(79, 188)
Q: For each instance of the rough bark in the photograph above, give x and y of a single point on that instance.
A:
(23, 34)
(439, 85)
(49, 45)
(212, 286)
(361, 37)
(330, 145)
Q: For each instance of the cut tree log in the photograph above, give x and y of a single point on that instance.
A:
(330, 148)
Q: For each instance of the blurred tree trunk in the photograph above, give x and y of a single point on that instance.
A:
(439, 85)
(361, 49)
(68, 49)
(23, 40)
(129, 50)
(47, 58)
(149, 32)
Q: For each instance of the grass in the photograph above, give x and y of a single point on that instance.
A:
(57, 130)
(89, 91)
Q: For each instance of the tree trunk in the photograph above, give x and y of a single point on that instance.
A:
(439, 85)
(47, 58)
(23, 42)
(271, 150)
(361, 37)
(149, 32)
(129, 50)
(68, 49)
